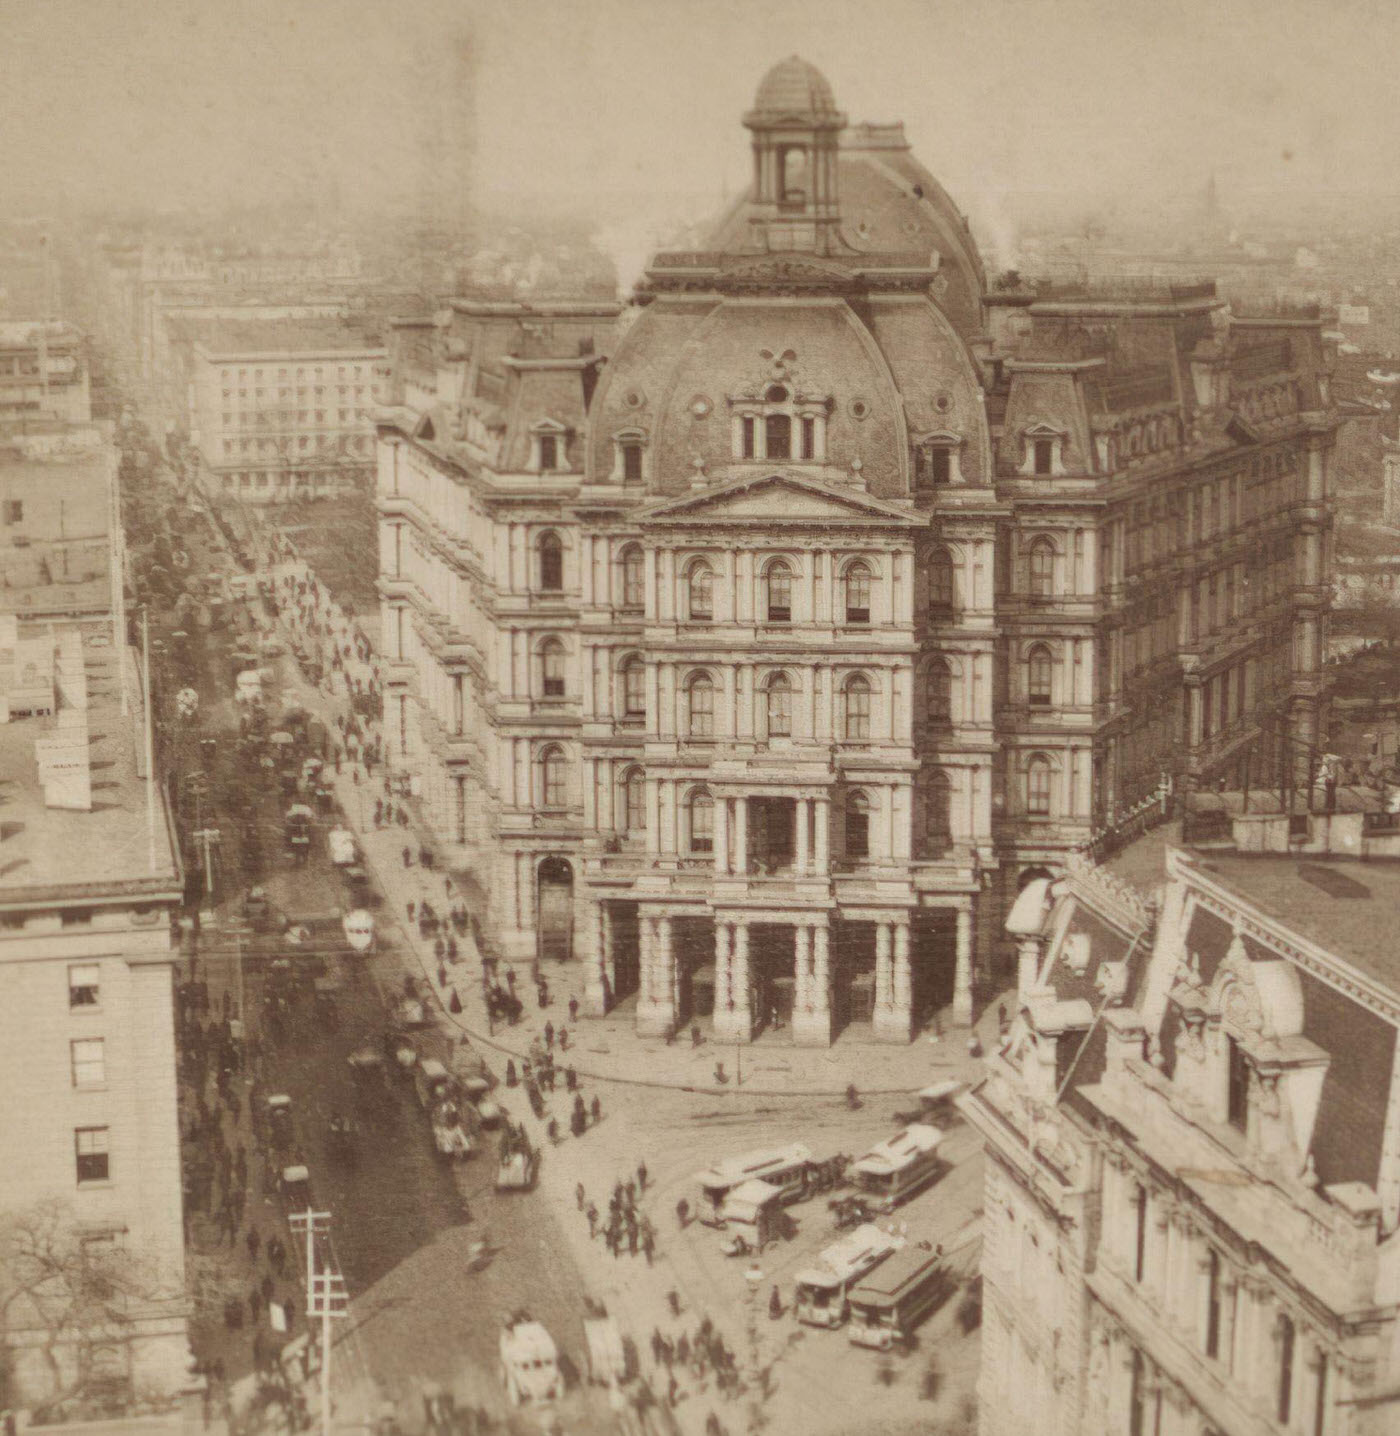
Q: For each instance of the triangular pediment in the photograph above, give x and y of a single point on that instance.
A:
(777, 498)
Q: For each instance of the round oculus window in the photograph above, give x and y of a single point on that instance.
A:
(859, 408)
(633, 399)
(700, 406)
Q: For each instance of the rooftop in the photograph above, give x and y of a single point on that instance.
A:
(279, 336)
(54, 855)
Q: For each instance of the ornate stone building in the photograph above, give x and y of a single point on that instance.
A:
(755, 646)
(1193, 1175)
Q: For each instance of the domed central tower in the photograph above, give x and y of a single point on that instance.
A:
(796, 131)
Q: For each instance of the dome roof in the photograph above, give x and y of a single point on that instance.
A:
(793, 86)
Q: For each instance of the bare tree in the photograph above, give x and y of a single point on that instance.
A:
(66, 1294)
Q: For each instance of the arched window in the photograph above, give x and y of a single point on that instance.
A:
(553, 773)
(633, 578)
(938, 811)
(700, 706)
(938, 694)
(1039, 666)
(1038, 776)
(700, 584)
(857, 709)
(631, 460)
(779, 706)
(1042, 569)
(795, 174)
(551, 668)
(777, 580)
(857, 826)
(551, 554)
(777, 435)
(858, 593)
(634, 688)
(634, 808)
(701, 814)
(940, 580)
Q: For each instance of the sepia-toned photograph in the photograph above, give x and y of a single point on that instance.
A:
(699, 718)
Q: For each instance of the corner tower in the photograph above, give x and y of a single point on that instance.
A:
(796, 131)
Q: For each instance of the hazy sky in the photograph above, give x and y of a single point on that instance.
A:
(180, 101)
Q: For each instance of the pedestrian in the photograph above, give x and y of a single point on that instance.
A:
(683, 1349)
(511, 1078)
(694, 1034)
(641, 1176)
(442, 972)
(407, 857)
(592, 1215)
(552, 1132)
(573, 1009)
(580, 1196)
(563, 1039)
(549, 1036)
(253, 1242)
(674, 1302)
(410, 908)
(455, 1005)
(595, 1109)
(682, 1213)
(775, 1305)
(648, 1245)
(570, 1079)
(632, 1235)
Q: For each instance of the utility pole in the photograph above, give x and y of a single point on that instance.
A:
(207, 838)
(325, 1296)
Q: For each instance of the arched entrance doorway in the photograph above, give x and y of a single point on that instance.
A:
(554, 919)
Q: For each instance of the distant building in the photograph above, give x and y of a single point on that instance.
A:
(759, 667)
(281, 410)
(1192, 1207)
(43, 373)
(89, 879)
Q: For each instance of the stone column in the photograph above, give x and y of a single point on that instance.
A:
(597, 983)
(801, 967)
(821, 863)
(721, 837)
(741, 836)
(962, 972)
(811, 1023)
(656, 1010)
(892, 1016)
(724, 972)
(884, 987)
(734, 1019)
(800, 822)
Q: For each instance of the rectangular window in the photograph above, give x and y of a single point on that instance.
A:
(90, 1144)
(631, 463)
(1213, 1305)
(702, 710)
(88, 1061)
(940, 466)
(809, 438)
(777, 436)
(549, 452)
(1044, 455)
(702, 827)
(84, 984)
(747, 435)
(1238, 1108)
(1140, 1246)
(1287, 1336)
(634, 690)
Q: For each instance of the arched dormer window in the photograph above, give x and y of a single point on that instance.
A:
(550, 551)
(940, 581)
(938, 692)
(857, 583)
(1039, 671)
(1039, 779)
(634, 687)
(553, 779)
(700, 823)
(937, 461)
(777, 585)
(551, 664)
(857, 826)
(629, 457)
(1042, 568)
(778, 706)
(633, 807)
(700, 585)
(700, 706)
(780, 426)
(856, 708)
(633, 577)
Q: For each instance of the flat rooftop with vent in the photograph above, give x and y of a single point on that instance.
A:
(77, 820)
